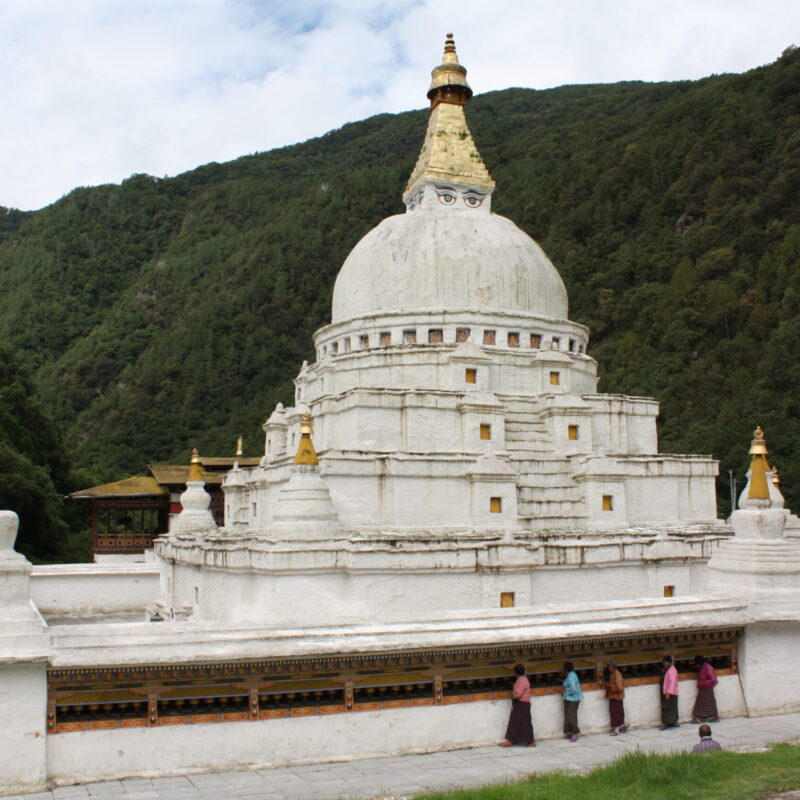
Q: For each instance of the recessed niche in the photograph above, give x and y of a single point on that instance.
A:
(572, 432)
(536, 340)
(555, 378)
(462, 335)
(486, 431)
(489, 337)
(364, 340)
(471, 375)
(608, 502)
(385, 338)
(506, 599)
(435, 336)
(669, 591)
(496, 505)
(513, 339)
(409, 337)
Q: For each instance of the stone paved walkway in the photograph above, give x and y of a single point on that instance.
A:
(404, 776)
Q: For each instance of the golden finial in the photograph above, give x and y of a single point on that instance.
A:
(449, 153)
(306, 454)
(776, 479)
(240, 446)
(758, 467)
(449, 79)
(195, 470)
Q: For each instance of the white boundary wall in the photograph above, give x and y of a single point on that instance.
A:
(87, 589)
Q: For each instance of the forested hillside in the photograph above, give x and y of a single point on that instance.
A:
(167, 313)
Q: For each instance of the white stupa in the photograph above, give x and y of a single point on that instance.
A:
(460, 436)
(195, 514)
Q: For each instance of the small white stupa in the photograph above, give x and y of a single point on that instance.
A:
(303, 508)
(758, 561)
(195, 501)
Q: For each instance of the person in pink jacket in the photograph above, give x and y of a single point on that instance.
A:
(520, 726)
(669, 694)
(705, 705)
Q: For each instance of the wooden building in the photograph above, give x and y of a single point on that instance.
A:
(127, 515)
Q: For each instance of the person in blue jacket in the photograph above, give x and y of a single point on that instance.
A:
(572, 697)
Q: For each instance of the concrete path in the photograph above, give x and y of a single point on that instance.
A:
(405, 776)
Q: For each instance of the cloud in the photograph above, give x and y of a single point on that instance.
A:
(96, 90)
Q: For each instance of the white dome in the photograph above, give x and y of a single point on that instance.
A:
(428, 260)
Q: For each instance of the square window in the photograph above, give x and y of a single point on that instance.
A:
(669, 591)
(489, 337)
(536, 340)
(471, 375)
(462, 334)
(555, 378)
(385, 338)
(556, 342)
(572, 432)
(334, 347)
(572, 345)
(608, 502)
(513, 339)
(486, 431)
(409, 337)
(496, 505)
(435, 336)
(506, 599)
(364, 340)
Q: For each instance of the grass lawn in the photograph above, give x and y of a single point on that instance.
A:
(639, 776)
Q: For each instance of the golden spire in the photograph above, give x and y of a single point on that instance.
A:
(449, 79)
(776, 479)
(239, 446)
(758, 467)
(195, 470)
(306, 454)
(449, 154)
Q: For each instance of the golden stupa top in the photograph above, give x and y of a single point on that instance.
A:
(449, 154)
(306, 454)
(759, 490)
(195, 470)
(240, 446)
(449, 72)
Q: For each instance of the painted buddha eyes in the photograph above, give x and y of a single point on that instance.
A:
(448, 196)
(473, 199)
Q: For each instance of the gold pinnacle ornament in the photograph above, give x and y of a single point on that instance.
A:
(306, 454)
(449, 154)
(759, 490)
(195, 470)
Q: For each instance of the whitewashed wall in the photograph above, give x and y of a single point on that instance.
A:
(94, 588)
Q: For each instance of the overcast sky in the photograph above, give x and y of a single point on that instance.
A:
(96, 90)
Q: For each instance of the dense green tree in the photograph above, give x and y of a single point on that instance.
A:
(34, 471)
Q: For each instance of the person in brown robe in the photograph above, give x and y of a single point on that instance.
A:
(615, 691)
